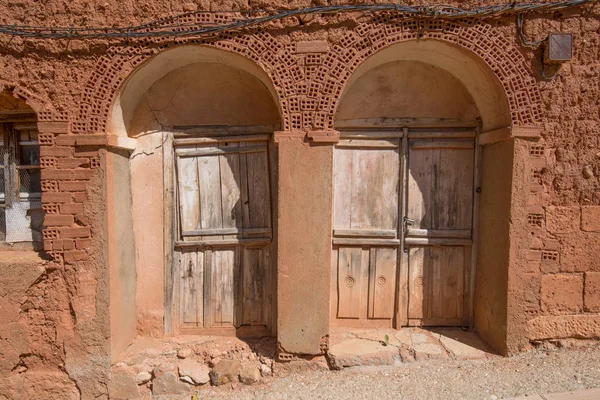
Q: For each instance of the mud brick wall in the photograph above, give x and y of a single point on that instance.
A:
(60, 306)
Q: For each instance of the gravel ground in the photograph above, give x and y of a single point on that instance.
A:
(535, 372)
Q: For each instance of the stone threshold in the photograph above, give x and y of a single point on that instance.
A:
(367, 347)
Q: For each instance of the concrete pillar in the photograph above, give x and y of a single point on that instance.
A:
(305, 195)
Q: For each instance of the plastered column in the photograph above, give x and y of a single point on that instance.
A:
(304, 250)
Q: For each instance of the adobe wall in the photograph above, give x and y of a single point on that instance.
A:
(62, 306)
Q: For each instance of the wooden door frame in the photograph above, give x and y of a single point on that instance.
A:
(400, 318)
(207, 134)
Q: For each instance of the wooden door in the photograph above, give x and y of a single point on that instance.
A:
(438, 229)
(222, 280)
(365, 234)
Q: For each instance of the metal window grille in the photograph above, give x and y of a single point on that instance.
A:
(21, 214)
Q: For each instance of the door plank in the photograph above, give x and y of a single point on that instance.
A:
(349, 282)
(209, 178)
(222, 289)
(192, 276)
(231, 206)
(342, 188)
(454, 194)
(420, 187)
(384, 282)
(374, 196)
(188, 195)
(253, 277)
(416, 281)
(258, 190)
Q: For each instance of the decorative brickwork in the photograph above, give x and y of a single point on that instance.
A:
(308, 81)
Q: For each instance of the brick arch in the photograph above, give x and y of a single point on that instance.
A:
(103, 86)
(42, 107)
(502, 58)
(309, 82)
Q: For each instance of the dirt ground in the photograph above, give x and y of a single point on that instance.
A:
(536, 372)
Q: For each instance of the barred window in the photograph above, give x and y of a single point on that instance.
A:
(21, 215)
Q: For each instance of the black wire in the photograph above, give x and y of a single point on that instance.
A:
(165, 27)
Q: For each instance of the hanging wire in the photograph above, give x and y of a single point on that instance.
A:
(251, 18)
(524, 40)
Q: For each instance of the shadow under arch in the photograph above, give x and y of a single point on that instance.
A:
(157, 67)
(478, 78)
(481, 87)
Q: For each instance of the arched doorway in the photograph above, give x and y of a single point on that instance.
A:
(202, 173)
(406, 183)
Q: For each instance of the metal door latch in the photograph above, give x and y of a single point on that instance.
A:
(407, 222)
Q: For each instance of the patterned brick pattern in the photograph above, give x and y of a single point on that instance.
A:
(309, 84)
(65, 175)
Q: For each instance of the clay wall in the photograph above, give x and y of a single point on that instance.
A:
(57, 331)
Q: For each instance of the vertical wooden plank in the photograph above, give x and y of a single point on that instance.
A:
(365, 259)
(402, 291)
(333, 282)
(374, 197)
(475, 226)
(416, 279)
(209, 270)
(372, 268)
(467, 294)
(238, 290)
(258, 190)
(231, 206)
(420, 187)
(209, 183)
(254, 275)
(385, 282)
(454, 194)
(192, 277)
(222, 290)
(349, 282)
(342, 209)
(433, 281)
(244, 188)
(271, 251)
(188, 195)
(168, 231)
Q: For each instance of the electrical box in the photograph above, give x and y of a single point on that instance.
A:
(559, 48)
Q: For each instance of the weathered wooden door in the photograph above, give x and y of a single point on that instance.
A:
(365, 234)
(438, 229)
(222, 268)
(402, 237)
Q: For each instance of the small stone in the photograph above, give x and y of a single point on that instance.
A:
(186, 379)
(198, 373)
(215, 353)
(588, 172)
(224, 372)
(184, 353)
(250, 375)
(169, 383)
(214, 361)
(123, 387)
(143, 377)
(265, 370)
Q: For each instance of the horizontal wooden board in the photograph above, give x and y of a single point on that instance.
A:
(189, 141)
(436, 241)
(365, 242)
(365, 233)
(229, 231)
(222, 242)
(214, 130)
(442, 144)
(211, 151)
(440, 233)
